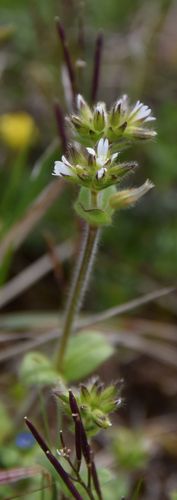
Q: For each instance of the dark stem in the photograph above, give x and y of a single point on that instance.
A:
(61, 125)
(68, 60)
(96, 67)
(79, 479)
(53, 460)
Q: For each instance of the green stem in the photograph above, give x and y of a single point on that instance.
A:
(78, 289)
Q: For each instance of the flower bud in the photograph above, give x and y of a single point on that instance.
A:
(115, 113)
(128, 197)
(140, 133)
(94, 404)
(101, 419)
(99, 117)
(83, 107)
(122, 123)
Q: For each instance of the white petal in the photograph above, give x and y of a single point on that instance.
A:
(106, 147)
(65, 161)
(61, 169)
(137, 106)
(100, 161)
(80, 101)
(143, 112)
(100, 107)
(100, 147)
(100, 173)
(114, 156)
(150, 119)
(140, 112)
(124, 103)
(91, 151)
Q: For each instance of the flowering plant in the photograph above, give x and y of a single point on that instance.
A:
(97, 166)
(92, 160)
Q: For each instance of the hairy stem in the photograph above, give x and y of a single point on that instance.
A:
(78, 288)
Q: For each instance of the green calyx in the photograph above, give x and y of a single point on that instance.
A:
(95, 216)
(95, 403)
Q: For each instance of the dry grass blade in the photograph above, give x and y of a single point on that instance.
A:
(151, 328)
(35, 212)
(33, 273)
(96, 318)
(19, 349)
(128, 306)
(156, 350)
(12, 475)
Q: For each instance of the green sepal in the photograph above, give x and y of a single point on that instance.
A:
(102, 214)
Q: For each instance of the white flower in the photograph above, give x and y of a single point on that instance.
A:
(63, 168)
(101, 157)
(141, 112)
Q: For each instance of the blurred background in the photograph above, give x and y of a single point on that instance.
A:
(40, 235)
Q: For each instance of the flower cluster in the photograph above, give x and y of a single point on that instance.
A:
(93, 161)
(93, 168)
(121, 123)
(95, 403)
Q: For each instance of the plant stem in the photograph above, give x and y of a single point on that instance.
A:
(78, 288)
(80, 481)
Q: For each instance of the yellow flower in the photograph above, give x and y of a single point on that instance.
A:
(18, 130)
(6, 32)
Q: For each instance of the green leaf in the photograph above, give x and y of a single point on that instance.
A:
(111, 486)
(86, 351)
(130, 449)
(95, 216)
(37, 369)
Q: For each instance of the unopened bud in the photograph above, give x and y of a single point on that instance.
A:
(83, 107)
(128, 197)
(99, 117)
(142, 133)
(101, 419)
